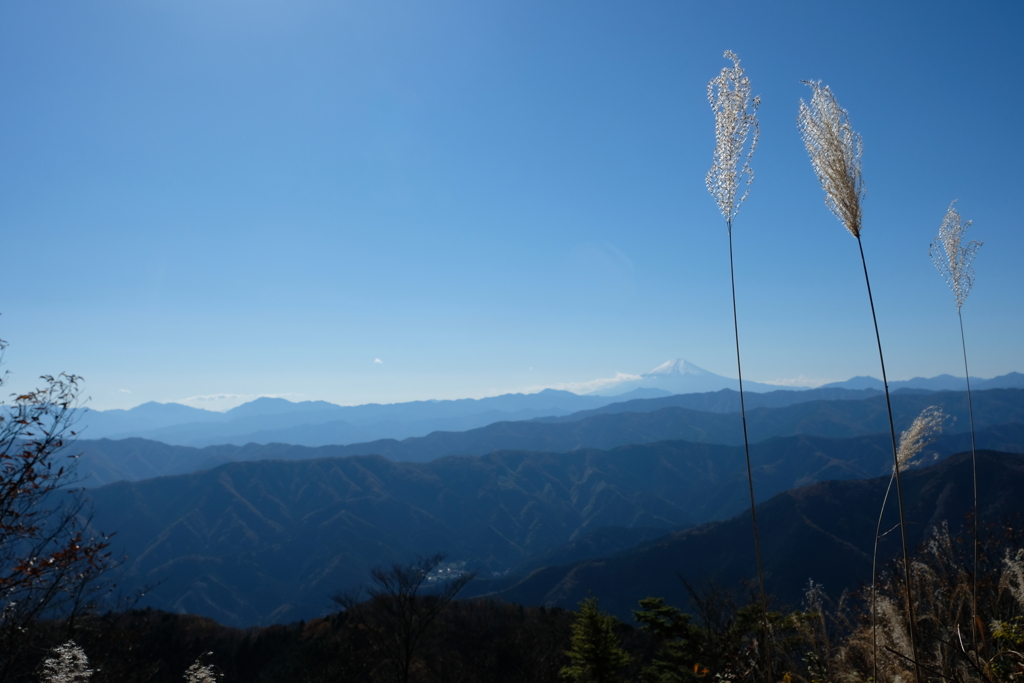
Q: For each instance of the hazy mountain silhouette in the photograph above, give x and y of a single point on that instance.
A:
(1012, 380)
(318, 423)
(722, 401)
(105, 461)
(823, 532)
(679, 376)
(266, 420)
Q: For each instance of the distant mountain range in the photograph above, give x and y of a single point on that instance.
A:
(318, 423)
(679, 376)
(641, 421)
(1012, 380)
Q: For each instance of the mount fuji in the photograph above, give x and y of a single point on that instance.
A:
(679, 376)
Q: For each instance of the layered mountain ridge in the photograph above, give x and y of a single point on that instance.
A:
(637, 422)
(259, 542)
(318, 423)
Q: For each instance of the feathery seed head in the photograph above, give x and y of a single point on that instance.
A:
(68, 664)
(735, 124)
(953, 259)
(835, 150)
(202, 673)
(924, 430)
(895, 627)
(1012, 578)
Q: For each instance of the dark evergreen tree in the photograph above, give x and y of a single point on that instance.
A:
(596, 655)
(677, 640)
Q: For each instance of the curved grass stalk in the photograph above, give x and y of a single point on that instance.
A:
(923, 431)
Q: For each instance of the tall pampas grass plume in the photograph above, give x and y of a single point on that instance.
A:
(836, 151)
(952, 257)
(736, 136)
(953, 260)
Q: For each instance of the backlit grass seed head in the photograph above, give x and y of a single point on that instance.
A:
(925, 428)
(1012, 578)
(897, 636)
(202, 673)
(835, 151)
(736, 136)
(951, 257)
(68, 664)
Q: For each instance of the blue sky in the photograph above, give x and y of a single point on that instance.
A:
(265, 197)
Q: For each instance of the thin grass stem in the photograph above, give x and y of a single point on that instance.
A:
(874, 583)
(924, 430)
(974, 469)
(750, 472)
(953, 260)
(896, 473)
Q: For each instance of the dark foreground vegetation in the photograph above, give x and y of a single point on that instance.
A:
(471, 640)
(405, 629)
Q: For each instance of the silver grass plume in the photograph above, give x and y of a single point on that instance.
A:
(952, 258)
(925, 428)
(835, 150)
(736, 135)
(67, 664)
(202, 673)
(1012, 578)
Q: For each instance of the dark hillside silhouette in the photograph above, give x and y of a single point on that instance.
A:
(823, 532)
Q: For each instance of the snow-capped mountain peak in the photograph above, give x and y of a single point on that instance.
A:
(676, 366)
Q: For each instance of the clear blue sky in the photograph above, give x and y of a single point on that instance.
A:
(264, 197)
